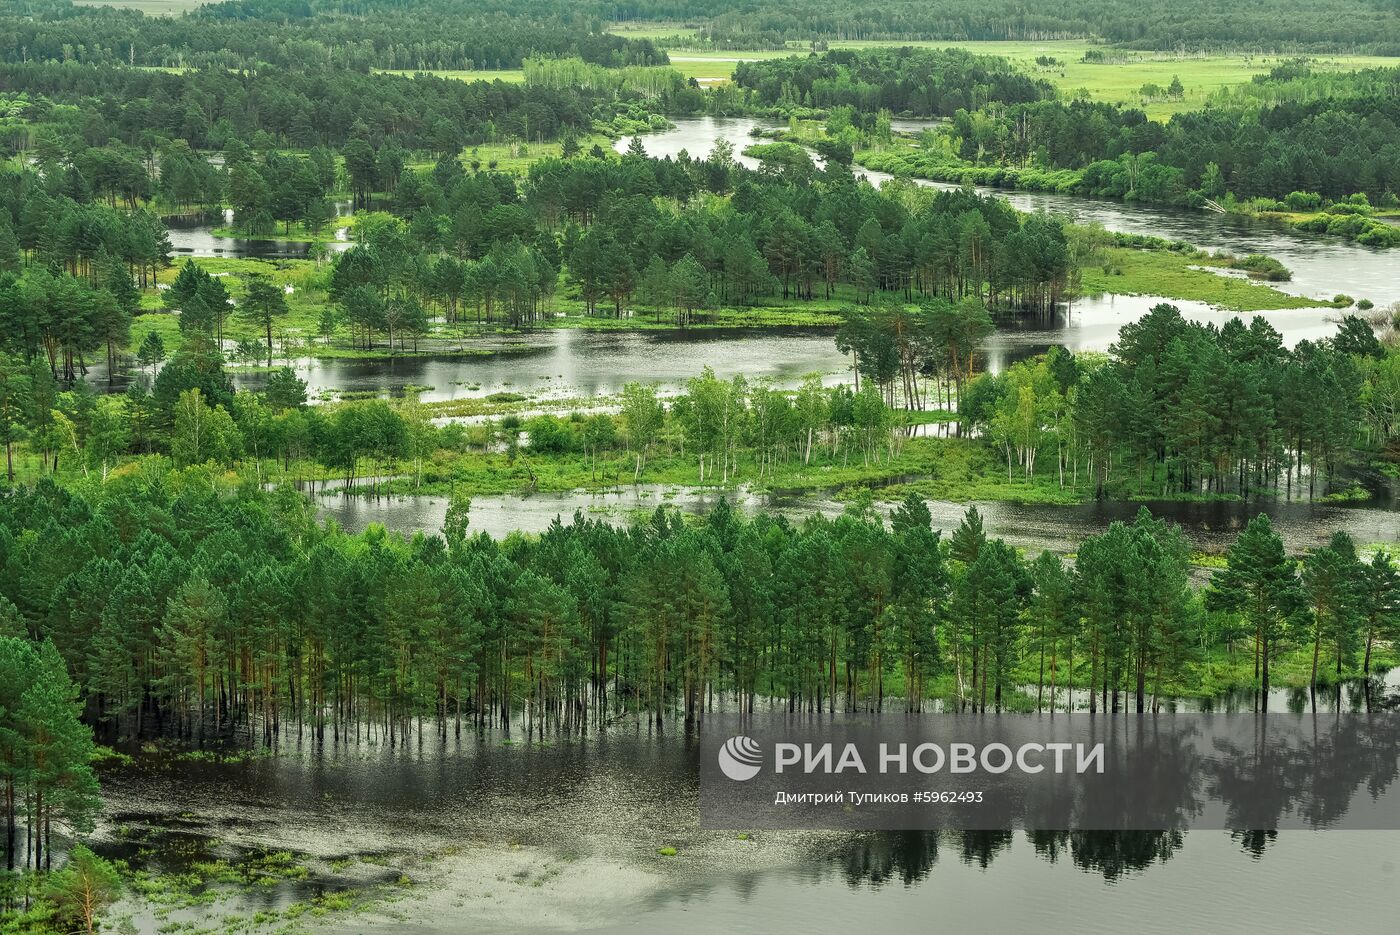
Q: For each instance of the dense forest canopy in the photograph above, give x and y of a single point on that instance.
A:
(1331, 25)
(923, 82)
(457, 34)
(428, 34)
(170, 600)
(298, 109)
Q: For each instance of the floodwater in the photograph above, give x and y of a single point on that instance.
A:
(1209, 526)
(192, 235)
(559, 363)
(564, 836)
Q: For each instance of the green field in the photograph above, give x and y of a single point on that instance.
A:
(1119, 80)
(149, 7)
(517, 157)
(653, 30)
(705, 69)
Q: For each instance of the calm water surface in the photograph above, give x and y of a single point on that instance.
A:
(1208, 526)
(564, 836)
(193, 236)
(566, 363)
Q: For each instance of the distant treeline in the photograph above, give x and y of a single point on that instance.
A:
(464, 34)
(1278, 25)
(296, 34)
(922, 82)
(297, 109)
(1334, 146)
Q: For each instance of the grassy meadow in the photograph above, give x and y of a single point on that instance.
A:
(149, 7)
(1119, 79)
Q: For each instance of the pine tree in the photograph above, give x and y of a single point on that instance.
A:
(1260, 582)
(918, 590)
(151, 352)
(1380, 602)
(1333, 580)
(62, 786)
(263, 304)
(85, 886)
(16, 396)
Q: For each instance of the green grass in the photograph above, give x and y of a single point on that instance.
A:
(518, 157)
(733, 56)
(475, 473)
(149, 7)
(1219, 670)
(1121, 83)
(634, 30)
(951, 469)
(1119, 80)
(815, 314)
(305, 303)
(944, 469)
(706, 71)
(1167, 274)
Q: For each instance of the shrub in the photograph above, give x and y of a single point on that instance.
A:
(1303, 201)
(549, 435)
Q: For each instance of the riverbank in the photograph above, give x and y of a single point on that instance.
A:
(906, 160)
(922, 155)
(1197, 278)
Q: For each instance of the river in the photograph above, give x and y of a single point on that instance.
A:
(1322, 266)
